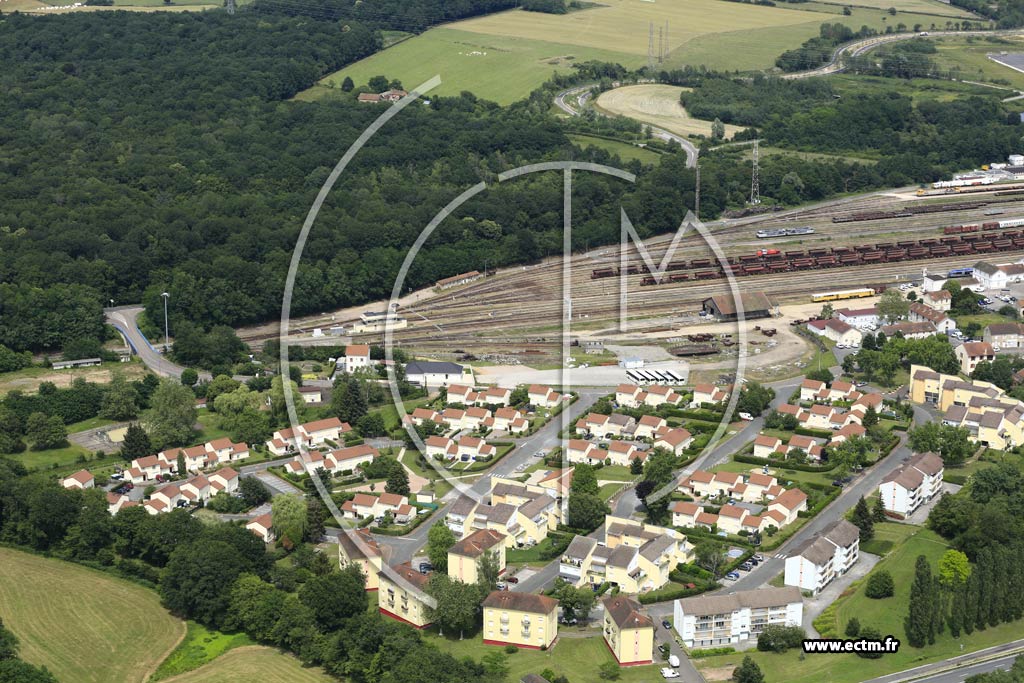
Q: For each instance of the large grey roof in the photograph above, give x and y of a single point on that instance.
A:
(420, 367)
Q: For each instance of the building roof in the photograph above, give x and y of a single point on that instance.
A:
(424, 367)
(1000, 329)
(520, 602)
(723, 604)
(406, 571)
(929, 463)
(359, 544)
(477, 543)
(358, 350)
(841, 532)
(82, 476)
(626, 612)
(907, 477)
(752, 301)
(790, 499)
(978, 349)
(816, 549)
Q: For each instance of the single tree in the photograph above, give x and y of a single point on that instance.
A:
(171, 415)
(288, 515)
(880, 585)
(863, 520)
(457, 603)
(347, 85)
(136, 443)
(189, 377)
(711, 556)
(398, 481)
(488, 571)
(439, 540)
(121, 400)
(852, 627)
(748, 672)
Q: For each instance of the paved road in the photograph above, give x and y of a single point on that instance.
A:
(628, 503)
(581, 94)
(956, 669)
(404, 548)
(859, 47)
(125, 319)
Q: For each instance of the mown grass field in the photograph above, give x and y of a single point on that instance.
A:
(658, 105)
(83, 625)
(970, 57)
(887, 615)
(254, 663)
(494, 67)
(504, 56)
(623, 150)
(923, 6)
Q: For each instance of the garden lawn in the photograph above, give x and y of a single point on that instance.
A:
(576, 658)
(82, 624)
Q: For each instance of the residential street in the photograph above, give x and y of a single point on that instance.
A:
(125, 319)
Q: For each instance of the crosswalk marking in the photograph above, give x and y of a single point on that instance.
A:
(780, 556)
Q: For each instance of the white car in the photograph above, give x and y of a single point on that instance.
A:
(746, 416)
(669, 673)
(840, 346)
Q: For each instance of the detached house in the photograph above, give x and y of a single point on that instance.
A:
(580, 450)
(542, 396)
(971, 353)
(357, 357)
(81, 480)
(649, 425)
(789, 504)
(263, 527)
(311, 434)
(510, 420)
(675, 440)
(707, 393)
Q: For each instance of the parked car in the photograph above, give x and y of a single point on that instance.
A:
(669, 673)
(673, 660)
(759, 558)
(746, 416)
(667, 625)
(512, 579)
(733, 575)
(426, 567)
(502, 586)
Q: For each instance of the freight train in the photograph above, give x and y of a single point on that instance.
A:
(983, 227)
(764, 262)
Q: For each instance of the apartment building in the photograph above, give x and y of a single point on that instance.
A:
(918, 481)
(526, 620)
(400, 602)
(813, 564)
(991, 417)
(465, 556)
(360, 548)
(628, 632)
(712, 620)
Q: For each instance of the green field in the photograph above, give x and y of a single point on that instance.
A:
(623, 150)
(922, 6)
(83, 625)
(200, 645)
(254, 663)
(887, 615)
(576, 658)
(968, 56)
(504, 56)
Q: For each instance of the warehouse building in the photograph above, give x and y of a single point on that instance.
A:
(723, 307)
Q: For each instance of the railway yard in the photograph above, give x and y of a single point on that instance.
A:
(870, 241)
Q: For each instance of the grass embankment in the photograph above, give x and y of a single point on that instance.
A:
(83, 625)
(886, 615)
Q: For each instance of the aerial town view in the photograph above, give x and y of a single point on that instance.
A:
(511, 341)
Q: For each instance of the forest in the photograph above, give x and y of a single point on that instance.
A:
(175, 161)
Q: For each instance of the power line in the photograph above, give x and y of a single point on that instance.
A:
(661, 45)
(650, 46)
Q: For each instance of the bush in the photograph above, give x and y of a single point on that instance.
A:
(870, 633)
(852, 627)
(710, 652)
(880, 585)
(511, 649)
(780, 638)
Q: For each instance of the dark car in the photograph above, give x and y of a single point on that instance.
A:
(512, 579)
(426, 567)
(667, 625)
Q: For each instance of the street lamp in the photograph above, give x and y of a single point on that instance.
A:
(166, 296)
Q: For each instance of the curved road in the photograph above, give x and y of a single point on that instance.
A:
(859, 47)
(581, 93)
(126, 320)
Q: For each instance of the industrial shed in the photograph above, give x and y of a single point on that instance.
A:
(723, 306)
